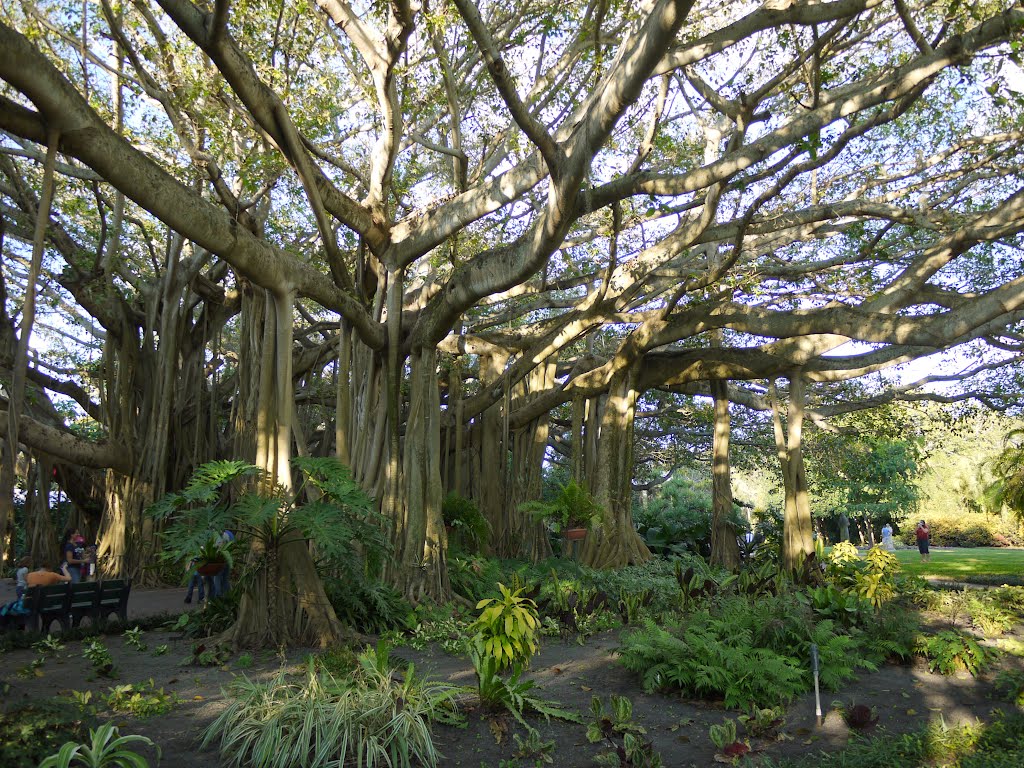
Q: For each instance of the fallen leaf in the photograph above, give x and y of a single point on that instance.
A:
(556, 670)
(198, 698)
(911, 711)
(499, 729)
(586, 688)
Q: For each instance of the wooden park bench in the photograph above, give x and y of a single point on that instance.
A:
(69, 603)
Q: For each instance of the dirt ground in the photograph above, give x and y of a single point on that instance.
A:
(905, 697)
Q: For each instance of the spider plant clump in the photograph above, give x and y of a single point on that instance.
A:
(374, 717)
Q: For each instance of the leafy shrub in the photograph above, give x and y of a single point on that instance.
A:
(830, 602)
(966, 530)
(31, 732)
(105, 748)
(372, 717)
(469, 528)
(506, 628)
(677, 520)
(140, 700)
(366, 603)
(872, 578)
(949, 651)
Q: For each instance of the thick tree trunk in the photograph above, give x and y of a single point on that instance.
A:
(525, 536)
(797, 538)
(19, 371)
(616, 543)
(41, 540)
(493, 451)
(420, 568)
(285, 603)
(725, 551)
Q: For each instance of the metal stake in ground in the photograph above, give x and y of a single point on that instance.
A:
(817, 694)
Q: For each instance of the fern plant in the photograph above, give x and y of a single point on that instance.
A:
(704, 664)
(949, 651)
(572, 507)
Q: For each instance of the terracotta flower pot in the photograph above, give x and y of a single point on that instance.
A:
(210, 569)
(575, 534)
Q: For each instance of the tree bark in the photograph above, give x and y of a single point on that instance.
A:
(616, 542)
(797, 538)
(285, 603)
(725, 551)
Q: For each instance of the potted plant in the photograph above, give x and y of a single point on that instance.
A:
(212, 557)
(572, 512)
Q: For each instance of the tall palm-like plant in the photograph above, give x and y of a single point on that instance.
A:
(1008, 487)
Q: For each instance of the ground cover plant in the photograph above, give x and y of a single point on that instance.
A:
(33, 731)
(374, 716)
(996, 745)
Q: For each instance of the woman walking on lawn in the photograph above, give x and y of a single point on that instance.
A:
(922, 541)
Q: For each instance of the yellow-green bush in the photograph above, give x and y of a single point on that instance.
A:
(967, 530)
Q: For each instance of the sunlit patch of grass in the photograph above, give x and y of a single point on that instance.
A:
(984, 565)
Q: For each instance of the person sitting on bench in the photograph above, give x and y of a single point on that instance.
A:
(44, 578)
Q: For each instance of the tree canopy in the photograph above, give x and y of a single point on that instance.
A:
(432, 237)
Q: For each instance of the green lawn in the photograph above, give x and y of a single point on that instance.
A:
(983, 565)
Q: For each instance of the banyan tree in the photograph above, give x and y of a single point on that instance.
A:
(431, 239)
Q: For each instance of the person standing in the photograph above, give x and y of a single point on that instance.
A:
(222, 579)
(887, 542)
(73, 558)
(923, 533)
(195, 580)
